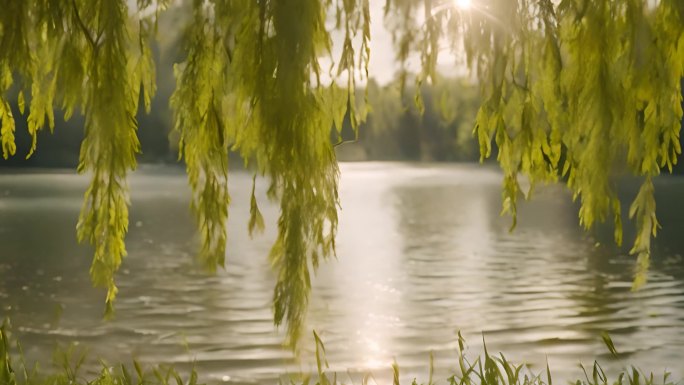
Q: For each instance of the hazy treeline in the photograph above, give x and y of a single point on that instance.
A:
(61, 148)
(394, 129)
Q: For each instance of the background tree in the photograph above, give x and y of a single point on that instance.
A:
(395, 129)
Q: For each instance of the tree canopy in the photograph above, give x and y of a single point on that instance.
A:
(571, 90)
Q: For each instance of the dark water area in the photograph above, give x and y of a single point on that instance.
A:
(422, 254)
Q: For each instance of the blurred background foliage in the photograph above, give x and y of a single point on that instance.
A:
(394, 130)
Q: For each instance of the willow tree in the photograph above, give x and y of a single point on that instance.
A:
(569, 88)
(573, 88)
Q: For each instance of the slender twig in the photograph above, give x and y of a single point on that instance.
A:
(341, 142)
(82, 25)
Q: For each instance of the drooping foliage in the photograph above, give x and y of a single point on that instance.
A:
(250, 82)
(571, 89)
(581, 90)
(90, 56)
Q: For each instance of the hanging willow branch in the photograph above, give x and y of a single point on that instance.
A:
(247, 84)
(573, 89)
(570, 90)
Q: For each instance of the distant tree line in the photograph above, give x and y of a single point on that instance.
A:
(397, 129)
(394, 129)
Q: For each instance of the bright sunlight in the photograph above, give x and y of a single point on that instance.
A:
(463, 4)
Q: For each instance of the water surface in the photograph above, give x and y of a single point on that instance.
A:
(422, 254)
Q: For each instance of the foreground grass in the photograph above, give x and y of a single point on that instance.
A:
(484, 370)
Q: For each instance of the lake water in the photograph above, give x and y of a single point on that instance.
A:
(422, 254)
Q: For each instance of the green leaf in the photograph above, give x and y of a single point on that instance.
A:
(21, 102)
(609, 344)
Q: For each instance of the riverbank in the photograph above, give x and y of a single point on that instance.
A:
(486, 369)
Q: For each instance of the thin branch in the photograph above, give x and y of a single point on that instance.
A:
(82, 25)
(341, 142)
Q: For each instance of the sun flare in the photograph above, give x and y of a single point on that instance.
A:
(463, 4)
